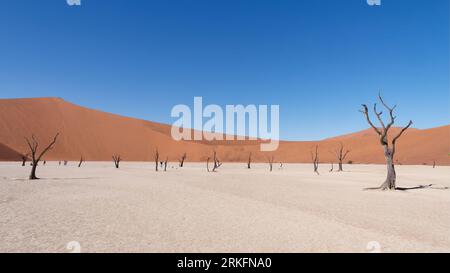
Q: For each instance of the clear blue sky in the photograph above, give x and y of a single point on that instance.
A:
(318, 59)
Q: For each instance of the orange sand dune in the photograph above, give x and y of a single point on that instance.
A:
(97, 135)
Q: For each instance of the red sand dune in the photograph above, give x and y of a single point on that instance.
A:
(97, 135)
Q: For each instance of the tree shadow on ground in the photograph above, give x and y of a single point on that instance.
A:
(420, 187)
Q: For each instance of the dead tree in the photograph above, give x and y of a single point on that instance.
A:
(35, 158)
(207, 163)
(389, 148)
(315, 159)
(156, 159)
(24, 159)
(249, 162)
(434, 164)
(341, 155)
(332, 167)
(116, 159)
(81, 162)
(182, 159)
(271, 159)
(165, 164)
(217, 162)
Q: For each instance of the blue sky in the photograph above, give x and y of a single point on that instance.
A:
(318, 59)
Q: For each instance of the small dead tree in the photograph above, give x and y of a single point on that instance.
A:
(35, 158)
(156, 156)
(434, 164)
(249, 162)
(389, 148)
(315, 159)
(81, 162)
(116, 159)
(271, 159)
(24, 158)
(332, 167)
(217, 162)
(341, 155)
(165, 164)
(182, 159)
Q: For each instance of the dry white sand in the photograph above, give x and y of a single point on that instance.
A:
(134, 209)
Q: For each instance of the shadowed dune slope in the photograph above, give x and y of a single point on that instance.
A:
(97, 135)
(8, 154)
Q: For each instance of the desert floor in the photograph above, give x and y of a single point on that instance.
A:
(135, 209)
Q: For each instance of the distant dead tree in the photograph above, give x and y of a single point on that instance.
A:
(165, 164)
(434, 164)
(116, 159)
(249, 162)
(33, 145)
(156, 156)
(332, 167)
(271, 159)
(389, 148)
(207, 163)
(182, 159)
(315, 159)
(217, 162)
(24, 158)
(81, 162)
(341, 155)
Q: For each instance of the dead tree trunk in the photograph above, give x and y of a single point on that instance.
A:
(165, 164)
(315, 159)
(271, 159)
(182, 159)
(332, 167)
(207, 164)
(249, 162)
(24, 159)
(389, 148)
(156, 159)
(434, 164)
(341, 155)
(217, 162)
(81, 162)
(33, 145)
(116, 159)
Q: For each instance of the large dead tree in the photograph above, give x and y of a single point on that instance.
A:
(182, 159)
(156, 156)
(388, 147)
(315, 159)
(35, 158)
(217, 162)
(341, 154)
(116, 159)
(249, 162)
